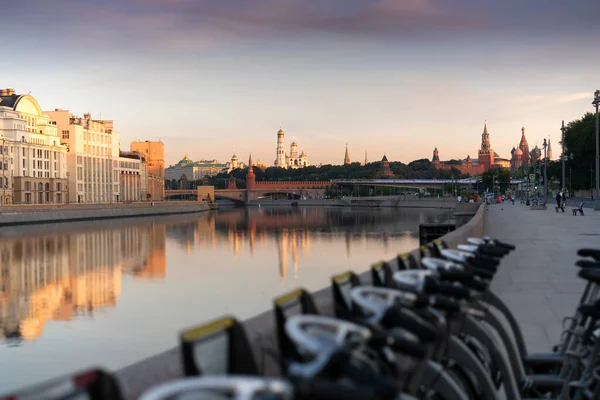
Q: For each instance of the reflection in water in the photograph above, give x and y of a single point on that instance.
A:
(83, 292)
(65, 275)
(74, 274)
(292, 229)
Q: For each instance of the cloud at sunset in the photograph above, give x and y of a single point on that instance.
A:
(393, 76)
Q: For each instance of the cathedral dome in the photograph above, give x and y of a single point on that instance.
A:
(518, 152)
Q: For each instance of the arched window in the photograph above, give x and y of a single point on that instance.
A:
(40, 187)
(47, 187)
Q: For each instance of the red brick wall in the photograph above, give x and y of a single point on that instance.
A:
(291, 185)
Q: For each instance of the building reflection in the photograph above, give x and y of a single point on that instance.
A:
(244, 230)
(61, 276)
(72, 271)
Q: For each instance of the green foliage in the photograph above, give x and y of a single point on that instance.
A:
(418, 169)
(496, 180)
(580, 139)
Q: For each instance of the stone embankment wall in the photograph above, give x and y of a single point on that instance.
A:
(261, 333)
(38, 214)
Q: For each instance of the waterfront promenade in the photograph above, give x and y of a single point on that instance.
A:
(538, 281)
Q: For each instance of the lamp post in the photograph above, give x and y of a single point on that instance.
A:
(570, 157)
(545, 169)
(596, 103)
(68, 193)
(3, 172)
(563, 156)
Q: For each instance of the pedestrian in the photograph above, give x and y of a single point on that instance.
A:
(558, 201)
(564, 202)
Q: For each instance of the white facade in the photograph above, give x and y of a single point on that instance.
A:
(293, 160)
(194, 170)
(93, 157)
(131, 171)
(33, 161)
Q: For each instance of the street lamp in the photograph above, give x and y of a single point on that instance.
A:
(570, 157)
(563, 156)
(596, 103)
(68, 192)
(3, 172)
(545, 145)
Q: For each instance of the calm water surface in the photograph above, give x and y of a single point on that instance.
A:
(111, 293)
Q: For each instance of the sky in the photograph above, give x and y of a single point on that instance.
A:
(394, 77)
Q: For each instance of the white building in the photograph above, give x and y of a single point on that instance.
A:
(133, 176)
(293, 160)
(33, 161)
(93, 156)
(189, 170)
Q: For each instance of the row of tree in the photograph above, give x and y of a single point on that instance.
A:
(418, 169)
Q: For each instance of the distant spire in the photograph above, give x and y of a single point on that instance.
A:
(366, 158)
(485, 126)
(346, 156)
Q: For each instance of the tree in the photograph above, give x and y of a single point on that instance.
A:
(580, 139)
(496, 180)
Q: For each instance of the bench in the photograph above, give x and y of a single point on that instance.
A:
(578, 210)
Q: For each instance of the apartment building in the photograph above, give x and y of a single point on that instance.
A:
(92, 158)
(154, 155)
(33, 161)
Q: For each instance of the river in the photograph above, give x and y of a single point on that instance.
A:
(110, 293)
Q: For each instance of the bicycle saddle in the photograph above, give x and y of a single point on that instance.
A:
(594, 253)
(486, 263)
(387, 308)
(222, 388)
(590, 274)
(587, 264)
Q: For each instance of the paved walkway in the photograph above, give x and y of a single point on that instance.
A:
(538, 281)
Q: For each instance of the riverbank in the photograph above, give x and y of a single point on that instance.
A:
(165, 366)
(41, 214)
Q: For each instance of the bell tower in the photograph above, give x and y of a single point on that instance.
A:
(280, 160)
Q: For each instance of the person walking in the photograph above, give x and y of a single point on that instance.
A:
(564, 202)
(558, 201)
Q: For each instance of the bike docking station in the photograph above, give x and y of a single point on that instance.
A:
(423, 326)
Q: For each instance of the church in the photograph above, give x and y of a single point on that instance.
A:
(291, 160)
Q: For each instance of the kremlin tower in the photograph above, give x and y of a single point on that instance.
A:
(486, 154)
(366, 158)
(385, 167)
(436, 158)
(346, 156)
(250, 177)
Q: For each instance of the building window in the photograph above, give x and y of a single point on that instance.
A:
(65, 134)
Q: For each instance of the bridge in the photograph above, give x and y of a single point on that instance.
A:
(261, 189)
(316, 189)
(413, 183)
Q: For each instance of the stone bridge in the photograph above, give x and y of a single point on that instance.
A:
(295, 189)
